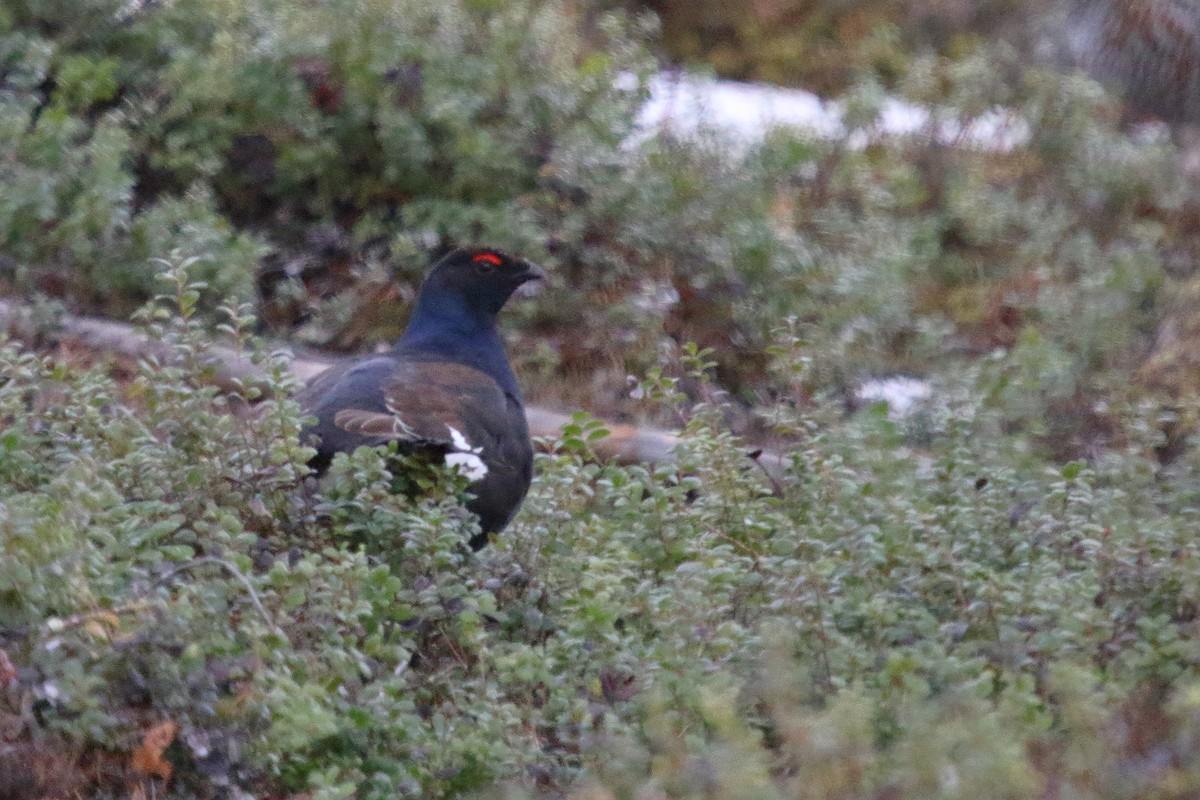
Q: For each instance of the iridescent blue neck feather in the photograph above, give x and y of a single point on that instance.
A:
(446, 325)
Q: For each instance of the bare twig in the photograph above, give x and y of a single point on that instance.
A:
(233, 570)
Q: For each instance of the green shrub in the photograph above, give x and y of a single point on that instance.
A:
(141, 130)
(948, 621)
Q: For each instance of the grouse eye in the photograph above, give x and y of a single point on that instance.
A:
(486, 262)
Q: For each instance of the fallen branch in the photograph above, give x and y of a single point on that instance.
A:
(625, 443)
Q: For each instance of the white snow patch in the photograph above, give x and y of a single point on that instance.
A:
(688, 104)
(656, 299)
(900, 392)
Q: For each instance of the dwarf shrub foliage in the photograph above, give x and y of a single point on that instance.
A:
(950, 620)
(233, 133)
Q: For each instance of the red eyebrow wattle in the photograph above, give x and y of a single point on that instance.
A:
(490, 258)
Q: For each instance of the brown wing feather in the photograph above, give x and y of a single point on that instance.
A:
(373, 423)
(379, 400)
(424, 414)
(431, 400)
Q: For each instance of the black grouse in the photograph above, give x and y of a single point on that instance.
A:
(445, 386)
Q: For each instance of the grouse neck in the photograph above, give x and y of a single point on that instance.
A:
(444, 327)
(439, 310)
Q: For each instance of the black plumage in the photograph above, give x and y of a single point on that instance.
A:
(446, 386)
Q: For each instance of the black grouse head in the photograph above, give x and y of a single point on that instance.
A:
(484, 278)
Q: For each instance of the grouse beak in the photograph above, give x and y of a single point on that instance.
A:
(531, 280)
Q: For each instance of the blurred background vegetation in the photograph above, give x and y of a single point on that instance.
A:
(995, 596)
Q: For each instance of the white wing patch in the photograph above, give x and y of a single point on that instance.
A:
(465, 458)
(460, 441)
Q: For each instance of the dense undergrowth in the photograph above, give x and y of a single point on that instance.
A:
(921, 611)
(994, 597)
